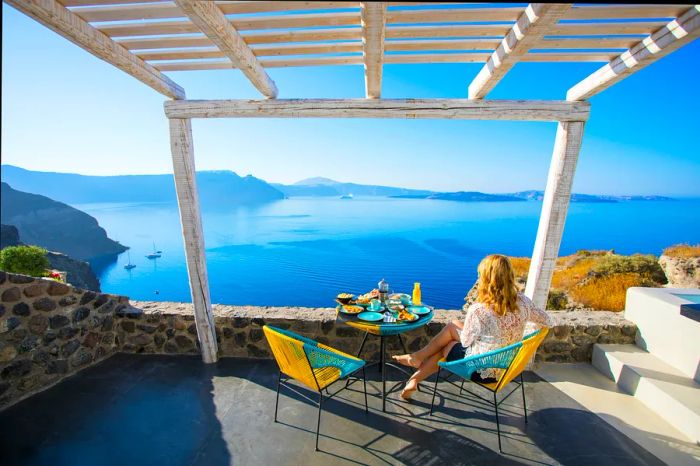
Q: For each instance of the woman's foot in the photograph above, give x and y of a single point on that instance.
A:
(408, 390)
(407, 360)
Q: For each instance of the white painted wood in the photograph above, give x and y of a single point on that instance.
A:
(532, 25)
(555, 205)
(672, 36)
(373, 20)
(60, 20)
(192, 234)
(462, 109)
(212, 22)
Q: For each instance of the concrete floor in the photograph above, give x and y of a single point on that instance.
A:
(155, 410)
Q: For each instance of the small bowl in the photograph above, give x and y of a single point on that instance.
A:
(345, 300)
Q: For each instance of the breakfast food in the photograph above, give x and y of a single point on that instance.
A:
(407, 316)
(352, 309)
(367, 297)
(344, 298)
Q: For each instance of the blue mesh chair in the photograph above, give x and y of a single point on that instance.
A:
(512, 359)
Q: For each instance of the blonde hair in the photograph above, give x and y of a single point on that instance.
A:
(497, 284)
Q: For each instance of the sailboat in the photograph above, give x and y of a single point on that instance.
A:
(129, 265)
(155, 254)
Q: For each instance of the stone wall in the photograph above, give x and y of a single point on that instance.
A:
(49, 330)
(162, 327)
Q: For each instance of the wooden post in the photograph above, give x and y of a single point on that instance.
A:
(554, 207)
(188, 201)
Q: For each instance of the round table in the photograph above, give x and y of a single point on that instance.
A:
(382, 330)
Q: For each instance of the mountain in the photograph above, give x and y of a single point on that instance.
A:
(215, 187)
(55, 225)
(538, 195)
(325, 187)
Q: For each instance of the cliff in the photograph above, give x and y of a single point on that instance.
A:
(55, 226)
(78, 273)
(681, 264)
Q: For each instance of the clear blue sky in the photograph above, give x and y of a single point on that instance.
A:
(65, 110)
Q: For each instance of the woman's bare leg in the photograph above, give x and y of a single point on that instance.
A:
(449, 334)
(426, 369)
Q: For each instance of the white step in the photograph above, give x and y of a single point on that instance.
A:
(664, 389)
(601, 396)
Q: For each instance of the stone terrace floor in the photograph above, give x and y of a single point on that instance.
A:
(157, 410)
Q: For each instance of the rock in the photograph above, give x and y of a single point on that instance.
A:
(7, 353)
(91, 339)
(9, 324)
(681, 272)
(9, 236)
(255, 334)
(256, 352)
(100, 300)
(192, 329)
(128, 326)
(70, 348)
(147, 328)
(35, 289)
(44, 305)
(38, 324)
(141, 339)
(183, 342)
(57, 289)
(228, 332)
(29, 343)
(58, 321)
(21, 309)
(67, 301)
(82, 358)
(107, 339)
(87, 297)
(57, 366)
(11, 295)
(240, 339)
(80, 314)
(2, 310)
(170, 347)
(67, 332)
(158, 340)
(557, 346)
(20, 279)
(107, 324)
(78, 273)
(16, 369)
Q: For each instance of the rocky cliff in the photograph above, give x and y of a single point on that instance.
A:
(682, 272)
(78, 273)
(55, 226)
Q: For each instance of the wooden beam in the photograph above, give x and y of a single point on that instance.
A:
(450, 109)
(674, 35)
(554, 208)
(60, 20)
(373, 20)
(212, 22)
(535, 22)
(192, 234)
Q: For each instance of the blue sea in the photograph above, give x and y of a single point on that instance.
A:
(303, 251)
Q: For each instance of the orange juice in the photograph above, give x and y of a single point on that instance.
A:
(416, 294)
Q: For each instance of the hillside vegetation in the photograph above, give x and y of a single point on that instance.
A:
(595, 279)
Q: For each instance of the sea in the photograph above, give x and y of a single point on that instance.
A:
(304, 251)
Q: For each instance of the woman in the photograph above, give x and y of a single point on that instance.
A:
(496, 319)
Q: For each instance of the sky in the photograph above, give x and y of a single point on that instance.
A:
(64, 110)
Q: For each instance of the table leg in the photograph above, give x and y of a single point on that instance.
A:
(362, 346)
(382, 362)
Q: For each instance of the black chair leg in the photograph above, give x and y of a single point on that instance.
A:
(318, 423)
(498, 424)
(277, 401)
(364, 381)
(461, 388)
(522, 387)
(432, 403)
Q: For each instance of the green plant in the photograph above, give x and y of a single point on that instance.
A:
(557, 300)
(27, 260)
(646, 266)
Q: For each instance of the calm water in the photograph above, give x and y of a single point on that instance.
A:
(303, 251)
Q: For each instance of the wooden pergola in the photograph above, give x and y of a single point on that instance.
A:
(146, 38)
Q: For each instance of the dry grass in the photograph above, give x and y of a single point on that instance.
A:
(521, 265)
(684, 251)
(607, 292)
(568, 277)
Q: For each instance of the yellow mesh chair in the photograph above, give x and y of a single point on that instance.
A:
(512, 358)
(314, 365)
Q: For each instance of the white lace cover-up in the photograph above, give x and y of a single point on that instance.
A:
(485, 331)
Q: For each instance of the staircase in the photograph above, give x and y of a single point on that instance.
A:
(663, 369)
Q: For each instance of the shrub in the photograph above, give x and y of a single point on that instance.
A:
(567, 277)
(27, 260)
(684, 251)
(521, 265)
(557, 300)
(607, 292)
(646, 266)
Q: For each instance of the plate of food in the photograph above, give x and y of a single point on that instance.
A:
(405, 316)
(367, 297)
(403, 297)
(420, 310)
(351, 309)
(345, 298)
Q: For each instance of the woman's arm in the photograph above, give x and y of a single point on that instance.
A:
(535, 314)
